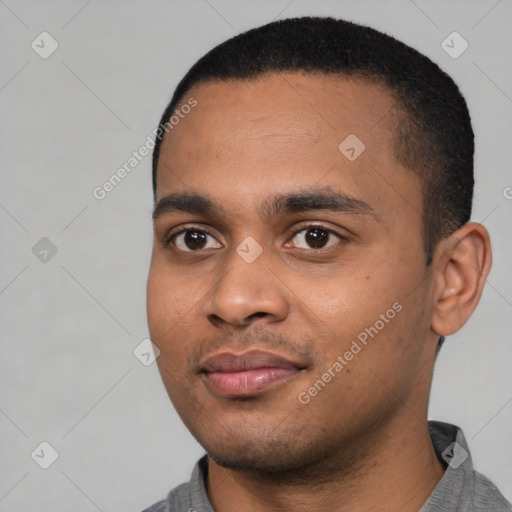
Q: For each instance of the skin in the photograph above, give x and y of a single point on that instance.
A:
(362, 442)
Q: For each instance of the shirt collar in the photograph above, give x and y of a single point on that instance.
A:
(455, 489)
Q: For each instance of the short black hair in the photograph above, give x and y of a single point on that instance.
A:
(433, 133)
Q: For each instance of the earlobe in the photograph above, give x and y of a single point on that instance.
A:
(462, 265)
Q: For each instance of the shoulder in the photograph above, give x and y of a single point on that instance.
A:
(187, 497)
(487, 496)
(177, 500)
(461, 488)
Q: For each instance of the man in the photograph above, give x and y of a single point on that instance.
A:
(313, 182)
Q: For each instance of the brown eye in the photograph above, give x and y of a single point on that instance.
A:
(195, 239)
(315, 237)
(192, 240)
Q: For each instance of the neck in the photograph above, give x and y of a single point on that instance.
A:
(378, 471)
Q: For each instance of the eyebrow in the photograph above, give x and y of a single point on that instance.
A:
(326, 199)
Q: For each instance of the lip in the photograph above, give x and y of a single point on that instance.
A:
(247, 374)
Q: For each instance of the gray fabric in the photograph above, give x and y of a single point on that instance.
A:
(462, 489)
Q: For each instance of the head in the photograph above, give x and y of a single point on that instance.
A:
(325, 177)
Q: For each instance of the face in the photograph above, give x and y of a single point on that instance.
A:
(288, 293)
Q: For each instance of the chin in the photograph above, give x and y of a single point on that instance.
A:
(266, 463)
(265, 454)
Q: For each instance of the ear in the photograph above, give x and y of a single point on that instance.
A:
(462, 264)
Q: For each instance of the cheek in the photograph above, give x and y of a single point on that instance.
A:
(173, 303)
(165, 313)
(348, 298)
(156, 300)
(362, 302)
(164, 302)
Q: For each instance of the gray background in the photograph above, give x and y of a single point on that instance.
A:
(70, 323)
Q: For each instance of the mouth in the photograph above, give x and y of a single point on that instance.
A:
(247, 374)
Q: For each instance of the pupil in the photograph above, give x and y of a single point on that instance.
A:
(195, 239)
(316, 237)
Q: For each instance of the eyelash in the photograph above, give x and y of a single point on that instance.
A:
(307, 227)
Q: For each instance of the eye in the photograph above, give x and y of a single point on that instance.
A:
(190, 240)
(316, 237)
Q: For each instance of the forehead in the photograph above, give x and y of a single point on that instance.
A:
(285, 107)
(268, 134)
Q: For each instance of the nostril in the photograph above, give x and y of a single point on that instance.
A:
(215, 320)
(261, 313)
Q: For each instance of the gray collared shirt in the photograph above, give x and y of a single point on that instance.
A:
(462, 489)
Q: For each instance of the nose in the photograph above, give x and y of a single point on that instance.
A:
(245, 292)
